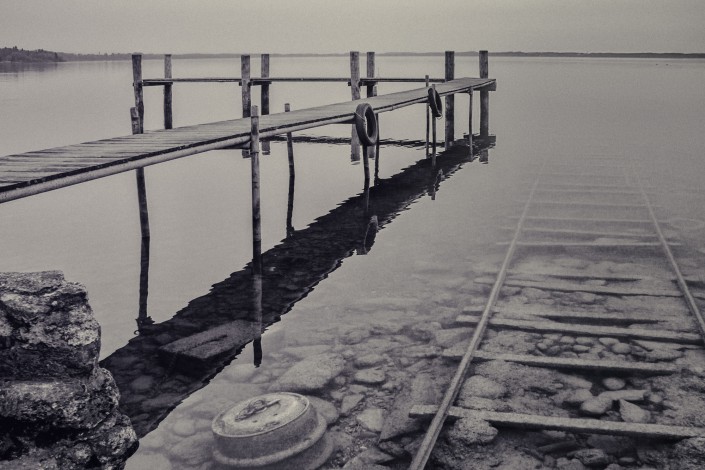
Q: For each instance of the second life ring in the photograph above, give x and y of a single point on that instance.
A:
(366, 124)
(434, 101)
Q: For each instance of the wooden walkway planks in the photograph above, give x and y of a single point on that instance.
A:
(64, 166)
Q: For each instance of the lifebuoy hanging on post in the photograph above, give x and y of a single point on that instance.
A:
(434, 101)
(366, 124)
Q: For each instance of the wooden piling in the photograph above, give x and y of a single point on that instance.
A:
(289, 144)
(168, 114)
(450, 101)
(141, 186)
(256, 220)
(264, 95)
(135, 121)
(371, 87)
(470, 121)
(355, 92)
(428, 122)
(292, 179)
(138, 88)
(355, 74)
(484, 97)
(433, 135)
(246, 85)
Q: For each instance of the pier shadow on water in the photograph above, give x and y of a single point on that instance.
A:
(167, 362)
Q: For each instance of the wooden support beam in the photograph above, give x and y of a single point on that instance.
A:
(138, 89)
(574, 425)
(428, 121)
(256, 219)
(597, 244)
(586, 330)
(433, 135)
(355, 93)
(355, 75)
(484, 96)
(264, 91)
(246, 85)
(573, 287)
(371, 87)
(168, 114)
(597, 365)
(615, 318)
(292, 179)
(470, 105)
(450, 100)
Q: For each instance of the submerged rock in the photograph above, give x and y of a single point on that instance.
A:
(479, 386)
(371, 419)
(424, 389)
(469, 431)
(631, 413)
(311, 374)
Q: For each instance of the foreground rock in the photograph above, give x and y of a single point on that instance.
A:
(58, 409)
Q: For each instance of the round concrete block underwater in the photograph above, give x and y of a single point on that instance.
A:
(272, 431)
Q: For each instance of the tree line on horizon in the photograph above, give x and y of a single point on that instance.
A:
(14, 54)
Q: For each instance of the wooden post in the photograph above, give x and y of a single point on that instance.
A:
(245, 84)
(377, 153)
(371, 88)
(433, 135)
(141, 186)
(256, 220)
(168, 115)
(484, 97)
(292, 179)
(428, 122)
(137, 86)
(355, 74)
(135, 121)
(264, 97)
(355, 92)
(450, 101)
(470, 120)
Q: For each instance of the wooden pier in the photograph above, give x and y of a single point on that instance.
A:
(36, 172)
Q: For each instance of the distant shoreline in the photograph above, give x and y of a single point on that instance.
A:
(15, 55)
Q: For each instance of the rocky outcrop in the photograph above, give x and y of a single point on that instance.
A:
(58, 409)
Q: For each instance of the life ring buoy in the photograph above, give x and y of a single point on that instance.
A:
(434, 101)
(366, 124)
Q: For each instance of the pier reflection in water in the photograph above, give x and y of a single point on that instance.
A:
(168, 361)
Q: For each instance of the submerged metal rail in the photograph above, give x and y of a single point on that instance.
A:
(434, 429)
(439, 413)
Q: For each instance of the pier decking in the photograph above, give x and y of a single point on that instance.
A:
(40, 171)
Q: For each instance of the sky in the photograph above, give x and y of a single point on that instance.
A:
(319, 26)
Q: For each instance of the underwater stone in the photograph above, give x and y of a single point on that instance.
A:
(632, 413)
(350, 402)
(311, 374)
(613, 383)
(371, 419)
(469, 431)
(370, 376)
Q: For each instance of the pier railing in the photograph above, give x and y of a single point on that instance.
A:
(355, 81)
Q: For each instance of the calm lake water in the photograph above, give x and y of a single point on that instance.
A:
(544, 109)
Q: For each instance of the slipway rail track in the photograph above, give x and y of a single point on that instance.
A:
(571, 211)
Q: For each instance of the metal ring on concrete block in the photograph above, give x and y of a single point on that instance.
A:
(366, 124)
(435, 102)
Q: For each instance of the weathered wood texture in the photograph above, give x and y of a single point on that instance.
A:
(246, 85)
(450, 101)
(168, 114)
(264, 92)
(577, 425)
(39, 171)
